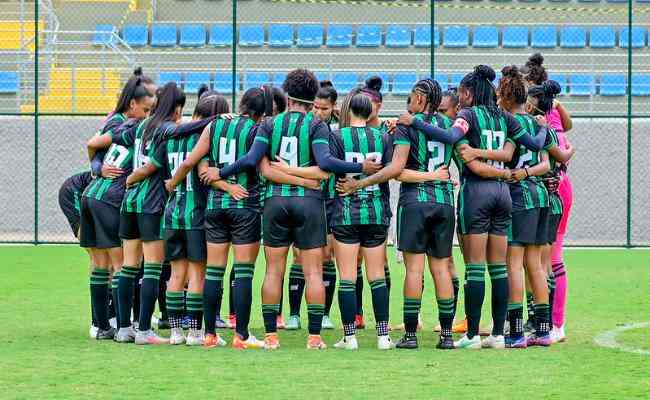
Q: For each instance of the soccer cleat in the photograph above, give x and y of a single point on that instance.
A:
(271, 341)
(251, 343)
(194, 338)
(163, 324)
(293, 323)
(221, 324)
(534, 340)
(347, 343)
(467, 343)
(279, 322)
(176, 336)
(125, 335)
(558, 335)
(149, 337)
(213, 340)
(232, 321)
(385, 343)
(529, 326)
(327, 322)
(113, 322)
(407, 342)
(185, 323)
(493, 342)
(460, 327)
(518, 343)
(107, 334)
(359, 322)
(315, 342)
(445, 343)
(92, 332)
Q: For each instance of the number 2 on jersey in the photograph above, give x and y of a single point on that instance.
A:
(437, 151)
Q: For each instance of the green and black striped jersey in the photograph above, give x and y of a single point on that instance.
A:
(120, 155)
(290, 136)
(529, 193)
(186, 205)
(230, 140)
(555, 203)
(426, 155)
(370, 205)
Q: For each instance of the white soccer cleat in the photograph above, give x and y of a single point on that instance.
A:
(194, 338)
(176, 337)
(557, 334)
(149, 337)
(92, 332)
(347, 343)
(467, 343)
(113, 322)
(385, 343)
(125, 335)
(494, 342)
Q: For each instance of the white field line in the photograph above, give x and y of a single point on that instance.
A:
(608, 338)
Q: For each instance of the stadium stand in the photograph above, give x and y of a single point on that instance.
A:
(192, 36)
(339, 36)
(544, 37)
(398, 36)
(403, 82)
(344, 81)
(602, 37)
(251, 36)
(582, 85)
(15, 34)
(515, 37)
(456, 37)
(573, 37)
(613, 85)
(255, 79)
(9, 82)
(220, 36)
(103, 35)
(223, 82)
(135, 35)
(194, 80)
(280, 36)
(638, 37)
(310, 36)
(562, 80)
(640, 85)
(369, 36)
(166, 77)
(163, 35)
(486, 37)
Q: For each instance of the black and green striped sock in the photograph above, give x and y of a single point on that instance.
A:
(115, 280)
(499, 281)
(296, 288)
(551, 294)
(231, 294)
(270, 314)
(348, 306)
(175, 308)
(516, 319)
(243, 296)
(212, 291)
(474, 295)
(99, 296)
(388, 280)
(411, 311)
(315, 318)
(530, 305)
(359, 290)
(194, 303)
(125, 290)
(542, 318)
(379, 290)
(329, 281)
(149, 294)
(445, 316)
(456, 283)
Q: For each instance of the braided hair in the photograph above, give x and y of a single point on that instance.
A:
(432, 91)
(479, 83)
(542, 96)
(512, 87)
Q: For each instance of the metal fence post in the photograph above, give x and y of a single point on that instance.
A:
(36, 111)
(234, 54)
(628, 243)
(432, 24)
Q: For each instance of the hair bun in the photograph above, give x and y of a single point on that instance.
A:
(485, 72)
(374, 83)
(326, 83)
(202, 90)
(551, 88)
(510, 71)
(137, 71)
(536, 60)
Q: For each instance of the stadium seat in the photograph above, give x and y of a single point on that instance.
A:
(339, 36)
(9, 82)
(544, 37)
(443, 80)
(223, 82)
(613, 85)
(515, 37)
(310, 36)
(369, 36)
(256, 79)
(582, 85)
(643, 1)
(486, 37)
(589, 1)
(251, 35)
(562, 80)
(344, 82)
(573, 37)
(602, 37)
(193, 36)
(278, 79)
(403, 83)
(194, 80)
(455, 80)
(456, 37)
(617, 1)
(135, 35)
(220, 36)
(280, 36)
(103, 35)
(640, 85)
(638, 37)
(322, 76)
(163, 35)
(165, 77)
(398, 36)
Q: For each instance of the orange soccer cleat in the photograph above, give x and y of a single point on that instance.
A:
(460, 327)
(250, 343)
(213, 340)
(279, 322)
(271, 341)
(315, 342)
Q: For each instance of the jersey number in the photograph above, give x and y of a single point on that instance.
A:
(289, 150)
(494, 141)
(525, 158)
(355, 157)
(437, 151)
(140, 159)
(227, 151)
(116, 155)
(175, 160)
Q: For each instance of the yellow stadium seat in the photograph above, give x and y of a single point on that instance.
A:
(11, 37)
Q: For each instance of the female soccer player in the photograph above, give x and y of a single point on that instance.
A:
(101, 200)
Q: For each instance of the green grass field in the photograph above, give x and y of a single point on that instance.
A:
(45, 351)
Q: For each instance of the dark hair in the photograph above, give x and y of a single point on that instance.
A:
(301, 84)
(535, 71)
(479, 83)
(345, 111)
(544, 94)
(133, 90)
(203, 89)
(274, 95)
(170, 97)
(253, 103)
(452, 94)
(512, 86)
(327, 91)
(210, 103)
(372, 87)
(432, 91)
(361, 106)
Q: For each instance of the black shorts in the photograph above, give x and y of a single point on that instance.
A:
(523, 230)
(542, 227)
(146, 227)
(329, 212)
(553, 226)
(233, 225)
(425, 228)
(368, 236)
(190, 244)
(294, 220)
(100, 224)
(484, 207)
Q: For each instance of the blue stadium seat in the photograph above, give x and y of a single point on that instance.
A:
(573, 37)
(486, 37)
(638, 37)
(403, 83)
(163, 35)
(456, 37)
(310, 36)
(251, 35)
(602, 37)
(280, 35)
(455, 80)
(165, 77)
(544, 37)
(423, 36)
(256, 79)
(369, 36)
(193, 36)
(339, 36)
(613, 85)
(323, 76)
(582, 85)
(643, 1)
(398, 36)
(344, 82)
(223, 82)
(220, 36)
(103, 35)
(443, 80)
(640, 85)
(194, 80)
(589, 1)
(9, 82)
(135, 35)
(562, 80)
(515, 37)
(617, 1)
(278, 79)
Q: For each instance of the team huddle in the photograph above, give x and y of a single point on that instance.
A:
(166, 200)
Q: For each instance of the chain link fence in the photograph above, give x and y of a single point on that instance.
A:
(63, 62)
